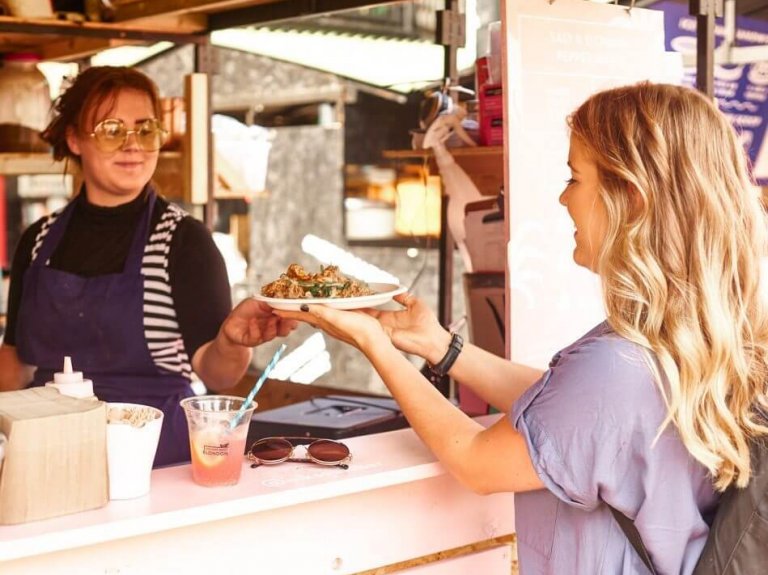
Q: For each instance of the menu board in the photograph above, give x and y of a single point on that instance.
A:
(557, 54)
(741, 90)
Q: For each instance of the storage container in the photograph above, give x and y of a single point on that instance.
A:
(25, 103)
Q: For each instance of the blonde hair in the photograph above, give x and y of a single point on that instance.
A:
(680, 265)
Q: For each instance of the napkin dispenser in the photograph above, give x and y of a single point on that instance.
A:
(55, 455)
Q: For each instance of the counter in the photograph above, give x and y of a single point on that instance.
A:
(394, 504)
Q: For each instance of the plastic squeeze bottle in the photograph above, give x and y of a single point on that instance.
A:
(71, 383)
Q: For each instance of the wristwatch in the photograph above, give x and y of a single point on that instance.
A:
(454, 348)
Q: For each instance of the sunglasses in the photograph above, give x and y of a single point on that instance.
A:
(274, 450)
(111, 135)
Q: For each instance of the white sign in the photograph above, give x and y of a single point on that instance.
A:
(557, 54)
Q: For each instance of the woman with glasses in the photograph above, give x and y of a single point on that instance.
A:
(652, 410)
(128, 285)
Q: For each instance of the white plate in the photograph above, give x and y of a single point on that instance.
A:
(384, 293)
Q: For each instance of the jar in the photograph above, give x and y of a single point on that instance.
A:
(25, 102)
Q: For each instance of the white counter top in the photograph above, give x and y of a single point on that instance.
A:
(379, 462)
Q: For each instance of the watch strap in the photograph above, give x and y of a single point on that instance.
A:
(454, 348)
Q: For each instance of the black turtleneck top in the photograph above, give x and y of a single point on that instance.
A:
(96, 242)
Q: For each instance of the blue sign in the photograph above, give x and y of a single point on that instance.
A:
(741, 90)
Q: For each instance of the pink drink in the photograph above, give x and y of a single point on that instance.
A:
(216, 443)
(217, 458)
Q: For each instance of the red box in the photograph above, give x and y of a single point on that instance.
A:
(490, 114)
(482, 73)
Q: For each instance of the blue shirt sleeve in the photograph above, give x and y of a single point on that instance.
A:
(590, 423)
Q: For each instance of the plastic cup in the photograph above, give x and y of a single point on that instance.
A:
(131, 448)
(217, 449)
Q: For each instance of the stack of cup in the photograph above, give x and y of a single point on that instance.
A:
(133, 433)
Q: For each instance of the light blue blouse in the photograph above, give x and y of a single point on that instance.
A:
(589, 424)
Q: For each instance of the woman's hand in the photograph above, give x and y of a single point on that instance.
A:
(414, 329)
(252, 323)
(223, 361)
(356, 327)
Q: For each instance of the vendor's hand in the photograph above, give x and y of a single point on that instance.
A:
(252, 323)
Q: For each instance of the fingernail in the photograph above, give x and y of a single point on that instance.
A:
(304, 307)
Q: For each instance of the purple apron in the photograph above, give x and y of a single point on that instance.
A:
(99, 322)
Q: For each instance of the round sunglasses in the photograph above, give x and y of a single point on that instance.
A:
(112, 134)
(274, 450)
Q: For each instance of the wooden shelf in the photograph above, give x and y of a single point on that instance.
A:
(458, 153)
(483, 164)
(22, 164)
(18, 164)
(169, 174)
(144, 22)
(421, 242)
(55, 39)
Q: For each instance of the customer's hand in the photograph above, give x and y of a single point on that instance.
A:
(414, 329)
(355, 327)
(252, 323)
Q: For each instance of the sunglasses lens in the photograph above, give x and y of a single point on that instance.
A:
(110, 135)
(150, 136)
(328, 451)
(272, 449)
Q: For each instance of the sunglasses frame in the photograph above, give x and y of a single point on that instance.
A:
(163, 133)
(306, 443)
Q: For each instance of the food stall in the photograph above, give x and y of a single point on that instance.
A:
(394, 510)
(387, 512)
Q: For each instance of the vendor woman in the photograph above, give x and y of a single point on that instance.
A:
(128, 285)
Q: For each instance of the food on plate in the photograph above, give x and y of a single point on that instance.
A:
(298, 283)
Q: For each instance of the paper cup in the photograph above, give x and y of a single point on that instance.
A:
(131, 448)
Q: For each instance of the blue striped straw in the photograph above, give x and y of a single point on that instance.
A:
(262, 378)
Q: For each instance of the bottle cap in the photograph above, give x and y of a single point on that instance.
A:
(66, 375)
(70, 382)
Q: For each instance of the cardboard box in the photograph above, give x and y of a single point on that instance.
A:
(484, 302)
(56, 455)
(486, 241)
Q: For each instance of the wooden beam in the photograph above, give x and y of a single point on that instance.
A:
(35, 27)
(73, 48)
(195, 23)
(229, 13)
(126, 10)
(264, 12)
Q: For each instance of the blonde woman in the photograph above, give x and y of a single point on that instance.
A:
(649, 412)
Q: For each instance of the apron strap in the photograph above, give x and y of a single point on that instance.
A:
(136, 253)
